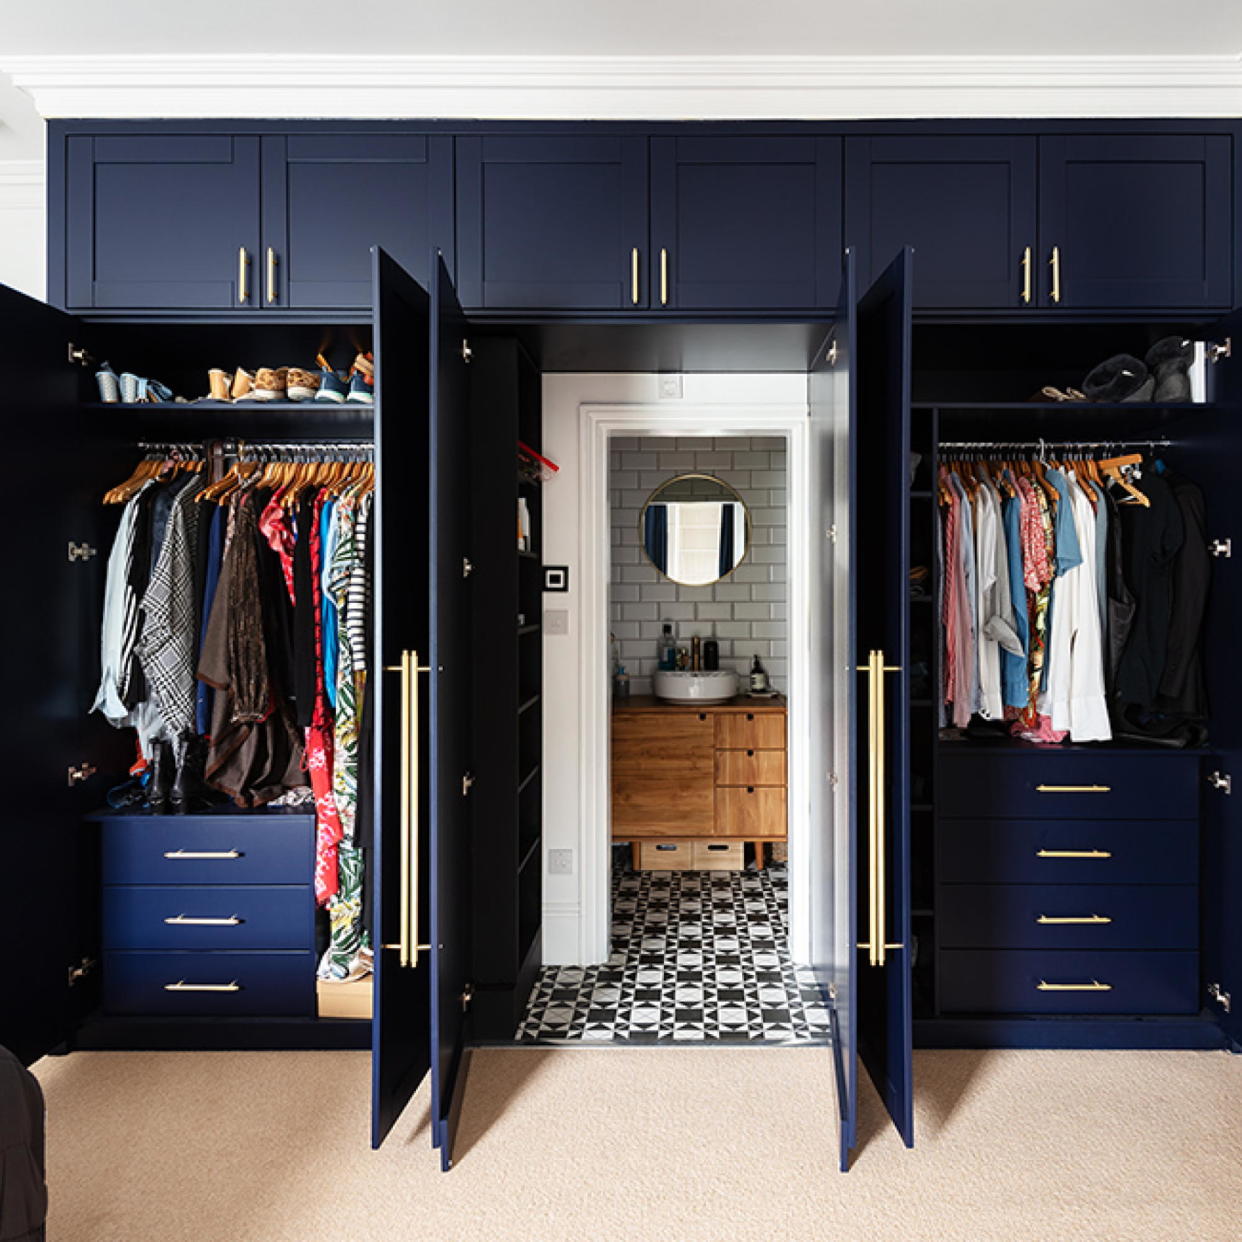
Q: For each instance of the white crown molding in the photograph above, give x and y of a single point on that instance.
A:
(629, 87)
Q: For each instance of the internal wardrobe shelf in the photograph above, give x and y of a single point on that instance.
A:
(527, 629)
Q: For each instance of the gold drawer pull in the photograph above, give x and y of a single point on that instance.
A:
(1073, 789)
(189, 920)
(1094, 986)
(182, 986)
(1073, 853)
(1073, 918)
(202, 854)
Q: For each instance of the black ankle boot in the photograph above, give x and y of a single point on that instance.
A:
(160, 784)
(190, 791)
(1169, 362)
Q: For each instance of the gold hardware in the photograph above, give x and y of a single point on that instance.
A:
(85, 551)
(1073, 789)
(77, 775)
(1073, 853)
(271, 275)
(186, 920)
(663, 277)
(243, 275)
(182, 986)
(1073, 918)
(1026, 275)
(81, 970)
(202, 854)
(1055, 263)
(1094, 986)
(634, 275)
(1217, 352)
(1215, 991)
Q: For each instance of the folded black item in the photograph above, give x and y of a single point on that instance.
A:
(1119, 378)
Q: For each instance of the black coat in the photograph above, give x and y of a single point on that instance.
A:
(23, 1192)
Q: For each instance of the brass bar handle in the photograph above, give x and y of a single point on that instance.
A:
(1073, 918)
(634, 286)
(182, 986)
(1055, 263)
(200, 854)
(243, 275)
(188, 920)
(1073, 789)
(1026, 276)
(271, 275)
(663, 277)
(1094, 986)
(1073, 853)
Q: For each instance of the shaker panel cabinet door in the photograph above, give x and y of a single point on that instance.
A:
(329, 197)
(745, 223)
(552, 222)
(966, 205)
(1137, 221)
(162, 222)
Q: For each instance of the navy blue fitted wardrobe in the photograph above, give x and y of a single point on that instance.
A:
(928, 277)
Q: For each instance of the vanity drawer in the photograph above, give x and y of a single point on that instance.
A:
(1068, 786)
(208, 849)
(1068, 916)
(750, 812)
(1068, 982)
(750, 730)
(666, 855)
(1067, 851)
(201, 984)
(216, 917)
(750, 767)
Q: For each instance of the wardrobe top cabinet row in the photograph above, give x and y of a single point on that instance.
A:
(166, 219)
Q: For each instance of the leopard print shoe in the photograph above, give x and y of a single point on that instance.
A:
(302, 385)
(270, 383)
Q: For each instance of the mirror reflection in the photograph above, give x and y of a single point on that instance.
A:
(695, 529)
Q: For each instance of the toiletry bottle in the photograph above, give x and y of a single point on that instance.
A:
(758, 678)
(668, 651)
(696, 653)
(711, 655)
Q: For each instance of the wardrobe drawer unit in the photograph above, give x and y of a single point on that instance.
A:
(218, 917)
(750, 730)
(666, 855)
(1077, 916)
(1067, 786)
(208, 849)
(750, 811)
(1063, 981)
(201, 984)
(750, 767)
(719, 855)
(1034, 851)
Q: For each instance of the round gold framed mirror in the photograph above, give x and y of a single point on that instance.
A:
(695, 529)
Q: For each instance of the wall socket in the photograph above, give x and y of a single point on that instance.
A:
(670, 385)
(560, 862)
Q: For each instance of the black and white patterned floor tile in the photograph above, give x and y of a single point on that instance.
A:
(696, 955)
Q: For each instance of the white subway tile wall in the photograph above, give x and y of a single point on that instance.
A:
(746, 612)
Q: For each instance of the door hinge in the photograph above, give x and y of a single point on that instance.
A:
(1217, 352)
(1221, 782)
(1221, 997)
(467, 354)
(467, 783)
(1221, 547)
(81, 551)
(79, 356)
(83, 773)
(831, 533)
(81, 970)
(833, 779)
(466, 997)
(833, 992)
(832, 354)
(467, 567)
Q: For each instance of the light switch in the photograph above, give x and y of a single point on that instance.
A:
(556, 621)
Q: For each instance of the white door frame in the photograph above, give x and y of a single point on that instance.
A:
(599, 422)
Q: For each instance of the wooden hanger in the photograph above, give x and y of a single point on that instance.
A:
(1116, 473)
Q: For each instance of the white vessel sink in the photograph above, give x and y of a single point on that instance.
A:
(716, 687)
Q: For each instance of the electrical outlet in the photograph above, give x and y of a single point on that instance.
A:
(560, 862)
(556, 621)
(670, 385)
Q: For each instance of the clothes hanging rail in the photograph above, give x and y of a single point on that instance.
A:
(1073, 445)
(246, 447)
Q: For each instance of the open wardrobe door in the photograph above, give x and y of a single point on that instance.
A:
(831, 858)
(400, 1029)
(881, 772)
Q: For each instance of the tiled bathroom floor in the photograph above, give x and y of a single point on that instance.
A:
(696, 955)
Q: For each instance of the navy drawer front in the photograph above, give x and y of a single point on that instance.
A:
(1063, 916)
(1073, 982)
(201, 984)
(1057, 851)
(1048, 785)
(209, 849)
(210, 917)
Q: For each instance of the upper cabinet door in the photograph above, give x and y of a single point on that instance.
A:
(162, 222)
(552, 222)
(329, 197)
(745, 223)
(966, 206)
(1135, 221)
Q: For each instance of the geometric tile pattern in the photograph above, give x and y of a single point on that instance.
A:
(697, 956)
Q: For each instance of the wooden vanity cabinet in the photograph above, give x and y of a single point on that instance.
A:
(684, 775)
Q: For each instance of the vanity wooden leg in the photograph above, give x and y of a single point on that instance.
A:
(635, 850)
(758, 855)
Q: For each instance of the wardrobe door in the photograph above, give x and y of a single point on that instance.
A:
(400, 1031)
(832, 848)
(882, 757)
(1135, 221)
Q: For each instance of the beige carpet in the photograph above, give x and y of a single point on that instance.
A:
(668, 1145)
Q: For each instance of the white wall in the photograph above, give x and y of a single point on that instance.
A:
(566, 938)
(23, 247)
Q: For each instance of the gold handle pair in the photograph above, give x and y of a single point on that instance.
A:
(1054, 262)
(635, 291)
(243, 275)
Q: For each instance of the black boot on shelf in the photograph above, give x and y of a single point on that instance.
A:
(190, 791)
(1119, 378)
(1169, 362)
(162, 771)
